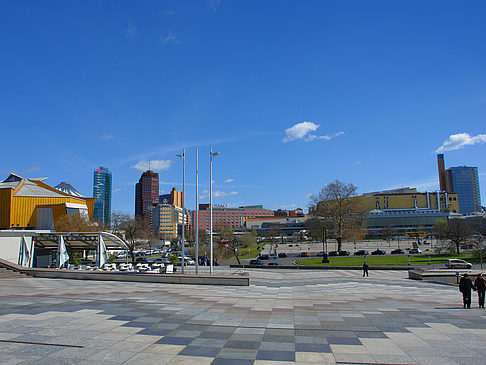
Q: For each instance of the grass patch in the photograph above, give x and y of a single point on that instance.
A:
(385, 260)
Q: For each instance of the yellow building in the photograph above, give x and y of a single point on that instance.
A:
(32, 204)
(408, 199)
(166, 218)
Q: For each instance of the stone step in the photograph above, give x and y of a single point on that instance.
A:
(9, 274)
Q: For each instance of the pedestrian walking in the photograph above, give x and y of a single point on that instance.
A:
(480, 285)
(465, 286)
(365, 269)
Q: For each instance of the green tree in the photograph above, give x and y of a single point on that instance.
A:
(336, 205)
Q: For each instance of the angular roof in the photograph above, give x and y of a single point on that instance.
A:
(67, 188)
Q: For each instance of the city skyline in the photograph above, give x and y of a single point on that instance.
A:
(293, 96)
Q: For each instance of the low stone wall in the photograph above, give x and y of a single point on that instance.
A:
(307, 267)
(441, 276)
(230, 280)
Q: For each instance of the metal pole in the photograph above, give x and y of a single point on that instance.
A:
(211, 211)
(481, 253)
(196, 218)
(183, 156)
(211, 155)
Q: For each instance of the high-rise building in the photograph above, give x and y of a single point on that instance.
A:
(174, 197)
(102, 192)
(465, 182)
(462, 180)
(146, 196)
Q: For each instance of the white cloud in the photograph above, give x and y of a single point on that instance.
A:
(106, 137)
(217, 194)
(459, 140)
(214, 4)
(32, 169)
(154, 165)
(227, 181)
(289, 206)
(302, 131)
(222, 194)
(170, 38)
(117, 190)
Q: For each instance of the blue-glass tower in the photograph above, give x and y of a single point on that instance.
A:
(102, 193)
(465, 182)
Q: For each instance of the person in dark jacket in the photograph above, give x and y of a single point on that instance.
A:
(465, 286)
(365, 269)
(480, 285)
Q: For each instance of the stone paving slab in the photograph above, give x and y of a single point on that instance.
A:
(291, 317)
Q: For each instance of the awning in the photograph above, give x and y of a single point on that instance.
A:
(79, 240)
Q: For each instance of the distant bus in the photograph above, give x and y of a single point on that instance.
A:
(415, 234)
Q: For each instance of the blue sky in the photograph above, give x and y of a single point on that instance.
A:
(294, 95)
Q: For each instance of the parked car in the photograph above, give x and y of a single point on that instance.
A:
(257, 262)
(414, 250)
(343, 253)
(274, 264)
(142, 259)
(334, 253)
(304, 254)
(273, 256)
(320, 254)
(282, 254)
(458, 264)
(378, 252)
(162, 260)
(398, 251)
(361, 253)
(264, 257)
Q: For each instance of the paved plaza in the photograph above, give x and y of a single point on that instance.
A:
(283, 317)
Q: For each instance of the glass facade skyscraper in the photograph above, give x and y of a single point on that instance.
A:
(102, 192)
(465, 182)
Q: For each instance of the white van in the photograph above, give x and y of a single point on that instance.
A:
(458, 264)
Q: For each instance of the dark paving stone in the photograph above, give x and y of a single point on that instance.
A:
(175, 340)
(221, 361)
(365, 334)
(215, 335)
(123, 318)
(200, 351)
(154, 332)
(310, 333)
(343, 341)
(275, 355)
(312, 347)
(137, 324)
(250, 345)
(278, 338)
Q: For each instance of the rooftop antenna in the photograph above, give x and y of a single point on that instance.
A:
(149, 165)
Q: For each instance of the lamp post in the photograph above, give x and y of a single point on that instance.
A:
(324, 245)
(197, 211)
(183, 156)
(211, 155)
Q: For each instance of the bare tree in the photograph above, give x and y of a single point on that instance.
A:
(456, 231)
(133, 231)
(336, 205)
(76, 223)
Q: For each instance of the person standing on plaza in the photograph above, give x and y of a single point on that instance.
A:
(480, 285)
(365, 269)
(465, 286)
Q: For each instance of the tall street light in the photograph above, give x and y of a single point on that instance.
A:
(196, 217)
(211, 155)
(183, 156)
